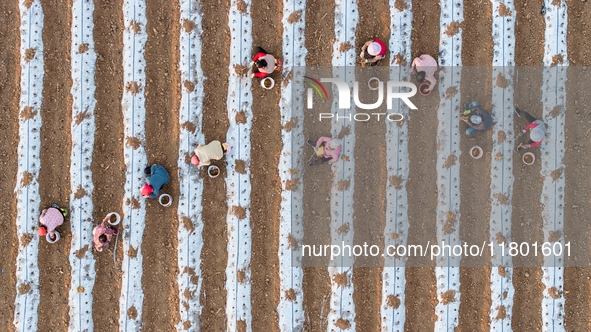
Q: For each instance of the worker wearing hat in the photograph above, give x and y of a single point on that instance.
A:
(212, 151)
(327, 148)
(50, 219)
(376, 48)
(478, 120)
(157, 177)
(265, 63)
(536, 128)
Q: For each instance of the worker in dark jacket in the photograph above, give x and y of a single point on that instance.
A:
(477, 118)
(157, 177)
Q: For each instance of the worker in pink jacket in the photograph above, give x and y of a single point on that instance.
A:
(326, 149)
(425, 67)
(102, 233)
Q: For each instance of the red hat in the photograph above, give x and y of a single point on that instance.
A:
(147, 190)
(42, 230)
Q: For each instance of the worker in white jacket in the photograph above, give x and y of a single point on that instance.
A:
(205, 153)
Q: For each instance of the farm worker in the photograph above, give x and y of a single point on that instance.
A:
(50, 219)
(425, 67)
(205, 153)
(102, 233)
(478, 120)
(537, 130)
(157, 177)
(265, 63)
(326, 149)
(376, 48)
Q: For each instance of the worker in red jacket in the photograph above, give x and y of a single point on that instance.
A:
(265, 63)
(537, 130)
(376, 48)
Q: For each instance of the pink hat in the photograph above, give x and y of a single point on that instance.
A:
(227, 147)
(147, 190)
(195, 160)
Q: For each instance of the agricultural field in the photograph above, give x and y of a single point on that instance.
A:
(92, 92)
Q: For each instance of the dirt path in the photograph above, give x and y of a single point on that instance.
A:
(528, 183)
(526, 219)
(160, 307)
(317, 182)
(370, 188)
(266, 187)
(108, 167)
(577, 193)
(421, 296)
(54, 176)
(9, 94)
(477, 53)
(216, 43)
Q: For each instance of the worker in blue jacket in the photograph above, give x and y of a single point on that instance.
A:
(157, 177)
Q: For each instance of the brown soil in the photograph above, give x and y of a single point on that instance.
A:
(24, 288)
(448, 297)
(160, 310)
(240, 166)
(500, 238)
(556, 174)
(82, 48)
(80, 192)
(134, 142)
(188, 224)
(135, 26)
(239, 212)
(28, 113)
(400, 5)
(241, 276)
(342, 324)
(450, 161)
(529, 47)
(190, 86)
(555, 111)
(81, 116)
(554, 236)
(216, 36)
(133, 87)
(502, 82)
(266, 197)
(526, 225)
(344, 47)
(292, 184)
(292, 122)
(241, 117)
(577, 193)
(26, 239)
(502, 198)
(81, 252)
(188, 25)
(343, 184)
(557, 60)
(26, 179)
(135, 204)
(554, 293)
(453, 28)
(241, 326)
(396, 181)
(107, 162)
(28, 3)
(242, 7)
(344, 132)
(54, 176)
(502, 272)
(504, 11)
(451, 92)
(421, 296)
(189, 126)
(502, 312)
(132, 253)
(132, 312)
(393, 301)
(344, 229)
(294, 17)
(240, 70)
(341, 279)
(29, 54)
(501, 136)
(290, 294)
